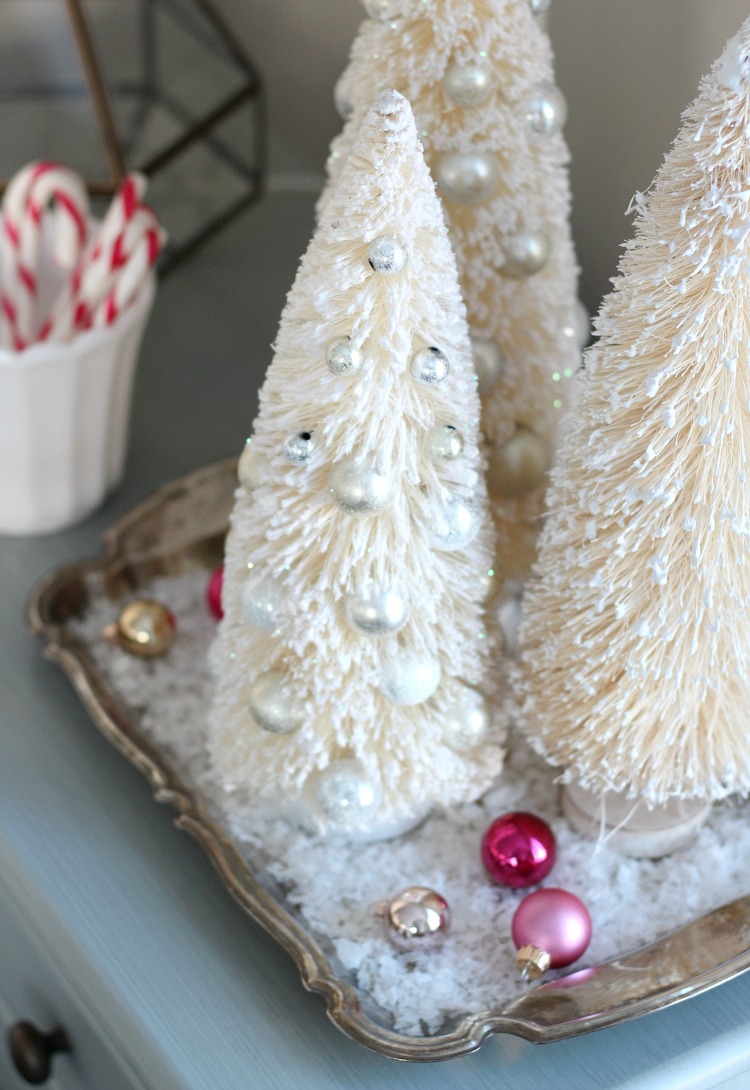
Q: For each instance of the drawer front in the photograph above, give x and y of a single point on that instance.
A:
(33, 989)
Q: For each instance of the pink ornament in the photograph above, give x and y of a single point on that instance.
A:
(213, 593)
(551, 928)
(518, 850)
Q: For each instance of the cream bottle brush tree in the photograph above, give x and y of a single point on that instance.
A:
(353, 642)
(636, 663)
(479, 76)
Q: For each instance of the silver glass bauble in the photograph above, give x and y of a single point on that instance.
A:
(468, 84)
(445, 443)
(545, 110)
(417, 918)
(466, 177)
(272, 704)
(359, 488)
(577, 325)
(347, 797)
(264, 599)
(430, 366)
(526, 253)
(519, 466)
(252, 468)
(343, 358)
(379, 9)
(299, 448)
(409, 678)
(454, 525)
(467, 723)
(344, 108)
(386, 255)
(539, 7)
(489, 363)
(376, 612)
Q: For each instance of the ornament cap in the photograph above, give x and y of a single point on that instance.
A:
(532, 962)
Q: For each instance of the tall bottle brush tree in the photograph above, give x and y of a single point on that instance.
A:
(352, 646)
(635, 673)
(479, 77)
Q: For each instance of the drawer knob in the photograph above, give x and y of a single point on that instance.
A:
(32, 1050)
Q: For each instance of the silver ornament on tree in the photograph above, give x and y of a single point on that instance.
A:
(417, 918)
(382, 10)
(272, 704)
(519, 466)
(344, 108)
(360, 488)
(468, 84)
(445, 443)
(299, 448)
(525, 253)
(489, 363)
(386, 255)
(430, 366)
(409, 678)
(466, 177)
(347, 797)
(377, 611)
(252, 468)
(545, 110)
(264, 599)
(539, 7)
(343, 358)
(467, 723)
(577, 325)
(454, 525)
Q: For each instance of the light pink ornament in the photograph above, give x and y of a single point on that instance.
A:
(213, 593)
(551, 928)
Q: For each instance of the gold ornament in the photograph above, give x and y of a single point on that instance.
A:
(145, 628)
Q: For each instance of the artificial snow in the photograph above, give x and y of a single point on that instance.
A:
(332, 886)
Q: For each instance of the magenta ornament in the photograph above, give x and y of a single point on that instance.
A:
(551, 928)
(213, 593)
(518, 850)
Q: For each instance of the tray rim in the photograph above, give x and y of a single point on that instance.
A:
(343, 1005)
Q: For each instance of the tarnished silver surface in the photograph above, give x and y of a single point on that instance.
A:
(183, 525)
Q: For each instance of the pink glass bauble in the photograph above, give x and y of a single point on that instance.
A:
(518, 850)
(554, 921)
(213, 593)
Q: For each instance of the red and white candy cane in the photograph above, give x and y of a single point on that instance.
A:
(27, 197)
(133, 254)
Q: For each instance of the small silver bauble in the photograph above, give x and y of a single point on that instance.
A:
(468, 84)
(378, 9)
(417, 918)
(252, 468)
(409, 678)
(489, 363)
(445, 443)
(386, 254)
(264, 600)
(578, 325)
(360, 488)
(545, 110)
(344, 108)
(519, 466)
(376, 612)
(430, 366)
(272, 705)
(467, 177)
(299, 448)
(455, 525)
(539, 7)
(526, 253)
(343, 358)
(468, 721)
(347, 797)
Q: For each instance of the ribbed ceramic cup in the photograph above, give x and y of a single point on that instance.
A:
(64, 422)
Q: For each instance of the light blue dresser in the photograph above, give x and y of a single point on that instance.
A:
(112, 923)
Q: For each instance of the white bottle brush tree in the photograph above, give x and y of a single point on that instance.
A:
(353, 645)
(635, 673)
(479, 77)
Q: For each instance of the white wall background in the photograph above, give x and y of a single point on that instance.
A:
(627, 67)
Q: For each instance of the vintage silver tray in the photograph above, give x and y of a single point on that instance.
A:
(183, 526)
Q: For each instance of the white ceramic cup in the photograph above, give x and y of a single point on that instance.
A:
(64, 421)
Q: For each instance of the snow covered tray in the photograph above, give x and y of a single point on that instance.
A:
(425, 1006)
